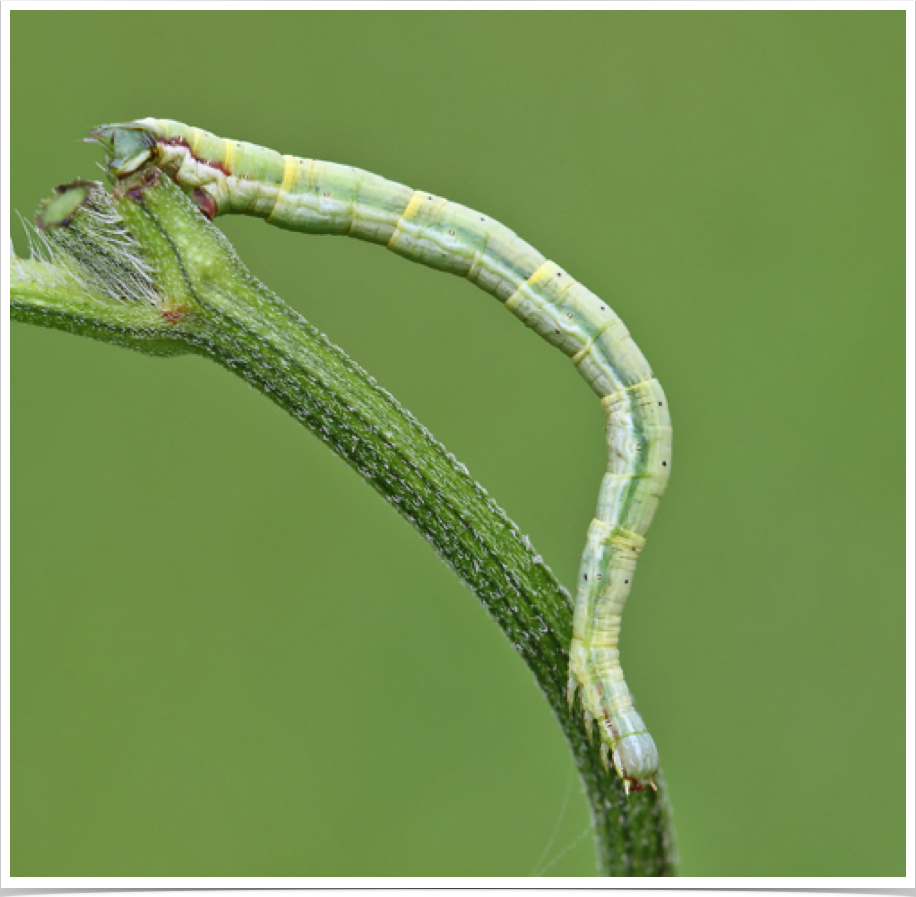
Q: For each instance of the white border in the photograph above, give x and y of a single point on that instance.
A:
(115, 882)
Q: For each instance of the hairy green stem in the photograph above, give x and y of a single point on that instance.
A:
(174, 285)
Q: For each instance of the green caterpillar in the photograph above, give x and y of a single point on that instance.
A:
(228, 176)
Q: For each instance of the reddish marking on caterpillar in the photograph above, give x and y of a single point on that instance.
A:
(180, 141)
(204, 202)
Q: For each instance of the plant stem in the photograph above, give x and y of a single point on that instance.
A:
(208, 303)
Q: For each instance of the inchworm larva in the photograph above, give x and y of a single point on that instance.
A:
(228, 176)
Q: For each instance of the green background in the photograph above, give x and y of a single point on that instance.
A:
(206, 681)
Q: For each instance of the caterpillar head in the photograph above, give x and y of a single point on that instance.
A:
(128, 145)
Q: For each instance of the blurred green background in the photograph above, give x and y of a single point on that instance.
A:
(202, 683)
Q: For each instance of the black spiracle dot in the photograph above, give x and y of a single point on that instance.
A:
(626, 582)
(664, 463)
(586, 576)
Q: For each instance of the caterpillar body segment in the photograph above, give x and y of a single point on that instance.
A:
(228, 176)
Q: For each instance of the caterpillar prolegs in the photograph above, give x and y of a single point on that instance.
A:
(226, 176)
